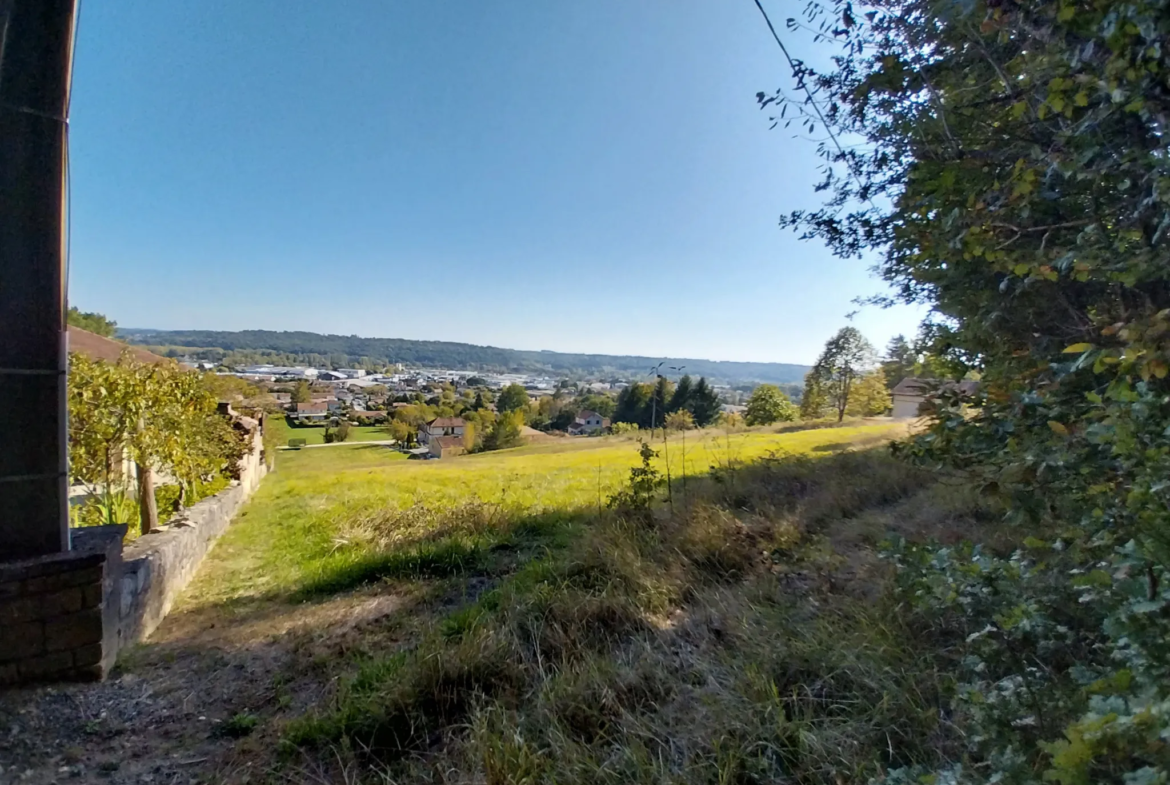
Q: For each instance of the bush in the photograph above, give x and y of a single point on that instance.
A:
(681, 420)
(619, 428)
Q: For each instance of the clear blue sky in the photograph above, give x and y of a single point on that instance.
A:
(577, 176)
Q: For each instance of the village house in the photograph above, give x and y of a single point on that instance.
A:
(588, 422)
(446, 446)
(441, 426)
(311, 412)
(367, 414)
(909, 394)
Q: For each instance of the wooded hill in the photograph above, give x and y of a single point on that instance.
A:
(255, 346)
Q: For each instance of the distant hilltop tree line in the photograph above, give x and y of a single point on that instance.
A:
(304, 348)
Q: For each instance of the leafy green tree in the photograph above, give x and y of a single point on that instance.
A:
(659, 401)
(160, 417)
(900, 360)
(302, 392)
(704, 403)
(597, 402)
(683, 393)
(768, 405)
(505, 432)
(479, 402)
(870, 396)
(633, 404)
(512, 398)
(94, 322)
(1008, 165)
(846, 358)
(814, 403)
(682, 420)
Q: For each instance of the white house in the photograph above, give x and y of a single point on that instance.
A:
(352, 373)
(441, 426)
(588, 422)
(909, 394)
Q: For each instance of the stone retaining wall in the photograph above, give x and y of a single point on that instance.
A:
(157, 566)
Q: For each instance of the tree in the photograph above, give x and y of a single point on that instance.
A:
(814, 403)
(633, 403)
(704, 404)
(506, 432)
(94, 322)
(871, 396)
(597, 402)
(512, 398)
(301, 392)
(768, 405)
(846, 358)
(900, 360)
(401, 432)
(659, 400)
(479, 402)
(682, 395)
(160, 416)
(1008, 166)
(682, 420)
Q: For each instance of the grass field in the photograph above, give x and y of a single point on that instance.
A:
(489, 619)
(299, 526)
(316, 434)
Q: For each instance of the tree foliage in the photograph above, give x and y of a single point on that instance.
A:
(93, 322)
(158, 416)
(1010, 168)
(847, 356)
(505, 432)
(899, 361)
(768, 405)
(512, 398)
(870, 396)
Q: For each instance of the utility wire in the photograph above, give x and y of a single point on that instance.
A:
(804, 86)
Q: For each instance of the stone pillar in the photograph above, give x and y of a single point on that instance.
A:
(36, 54)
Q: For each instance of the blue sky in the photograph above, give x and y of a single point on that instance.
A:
(577, 176)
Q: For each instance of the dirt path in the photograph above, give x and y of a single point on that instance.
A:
(201, 702)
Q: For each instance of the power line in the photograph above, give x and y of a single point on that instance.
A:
(804, 86)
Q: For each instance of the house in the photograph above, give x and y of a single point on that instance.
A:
(331, 376)
(282, 397)
(909, 394)
(441, 426)
(312, 412)
(588, 422)
(352, 373)
(446, 446)
(367, 414)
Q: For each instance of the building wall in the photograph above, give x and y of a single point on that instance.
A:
(906, 405)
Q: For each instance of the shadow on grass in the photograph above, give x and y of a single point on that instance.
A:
(448, 550)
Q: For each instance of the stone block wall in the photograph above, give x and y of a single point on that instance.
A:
(57, 612)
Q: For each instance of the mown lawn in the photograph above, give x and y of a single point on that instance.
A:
(316, 434)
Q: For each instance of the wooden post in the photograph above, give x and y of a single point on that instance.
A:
(147, 504)
(36, 52)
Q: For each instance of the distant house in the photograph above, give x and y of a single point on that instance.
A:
(588, 422)
(909, 394)
(311, 412)
(352, 373)
(441, 426)
(282, 397)
(446, 446)
(331, 376)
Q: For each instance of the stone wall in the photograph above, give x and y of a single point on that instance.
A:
(157, 566)
(58, 612)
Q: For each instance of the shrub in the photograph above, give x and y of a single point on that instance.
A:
(619, 428)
